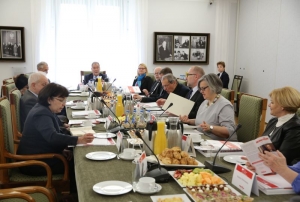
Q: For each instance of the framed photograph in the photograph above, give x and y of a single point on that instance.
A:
(172, 47)
(12, 44)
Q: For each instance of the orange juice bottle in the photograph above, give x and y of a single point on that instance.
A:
(119, 106)
(99, 85)
(160, 141)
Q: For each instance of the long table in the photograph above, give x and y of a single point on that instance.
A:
(89, 172)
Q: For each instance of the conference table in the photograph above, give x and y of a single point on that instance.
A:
(89, 172)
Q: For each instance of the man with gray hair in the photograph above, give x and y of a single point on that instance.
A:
(95, 73)
(171, 85)
(43, 67)
(36, 82)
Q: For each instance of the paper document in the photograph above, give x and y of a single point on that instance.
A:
(181, 106)
(149, 104)
(81, 130)
(80, 114)
(71, 103)
(132, 89)
(77, 122)
(97, 141)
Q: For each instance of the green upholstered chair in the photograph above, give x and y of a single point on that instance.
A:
(28, 193)
(236, 86)
(298, 112)
(151, 75)
(7, 88)
(182, 81)
(13, 177)
(228, 94)
(83, 73)
(28, 74)
(9, 80)
(252, 116)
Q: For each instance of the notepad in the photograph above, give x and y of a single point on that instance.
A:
(81, 130)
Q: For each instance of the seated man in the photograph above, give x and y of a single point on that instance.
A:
(36, 82)
(171, 85)
(95, 73)
(43, 67)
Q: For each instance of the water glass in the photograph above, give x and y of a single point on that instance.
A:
(105, 112)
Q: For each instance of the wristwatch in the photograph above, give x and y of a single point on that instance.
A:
(211, 128)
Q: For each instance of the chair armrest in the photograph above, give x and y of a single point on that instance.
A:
(42, 156)
(16, 141)
(32, 189)
(15, 194)
(31, 163)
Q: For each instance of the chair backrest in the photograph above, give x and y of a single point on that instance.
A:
(236, 84)
(7, 88)
(228, 94)
(182, 81)
(83, 73)
(9, 80)
(15, 97)
(298, 112)
(252, 116)
(151, 75)
(28, 74)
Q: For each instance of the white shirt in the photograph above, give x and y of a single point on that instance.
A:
(220, 74)
(282, 120)
(194, 91)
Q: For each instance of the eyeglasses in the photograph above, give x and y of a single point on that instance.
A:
(141, 68)
(187, 74)
(61, 100)
(157, 73)
(203, 88)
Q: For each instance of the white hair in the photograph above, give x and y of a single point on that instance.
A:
(41, 65)
(35, 77)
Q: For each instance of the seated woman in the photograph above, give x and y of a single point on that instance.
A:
(21, 82)
(142, 80)
(284, 129)
(215, 116)
(278, 164)
(41, 134)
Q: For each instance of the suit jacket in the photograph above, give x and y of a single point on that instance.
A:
(27, 101)
(91, 77)
(225, 79)
(146, 83)
(198, 99)
(155, 89)
(286, 138)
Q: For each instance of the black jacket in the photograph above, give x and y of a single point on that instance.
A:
(198, 99)
(91, 77)
(146, 83)
(225, 79)
(286, 138)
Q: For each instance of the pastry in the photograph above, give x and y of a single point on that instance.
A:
(177, 155)
(166, 160)
(184, 154)
(175, 161)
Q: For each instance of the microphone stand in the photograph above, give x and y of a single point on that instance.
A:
(218, 168)
(111, 84)
(159, 174)
(170, 105)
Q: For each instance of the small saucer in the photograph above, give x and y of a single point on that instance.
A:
(75, 107)
(198, 140)
(126, 158)
(158, 188)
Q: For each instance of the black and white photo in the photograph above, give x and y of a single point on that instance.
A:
(164, 47)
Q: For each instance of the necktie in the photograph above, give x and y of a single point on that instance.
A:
(189, 94)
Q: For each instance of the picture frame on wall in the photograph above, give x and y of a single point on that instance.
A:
(170, 47)
(12, 44)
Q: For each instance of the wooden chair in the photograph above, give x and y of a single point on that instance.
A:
(228, 94)
(13, 177)
(252, 116)
(9, 80)
(151, 75)
(236, 86)
(14, 98)
(29, 193)
(83, 73)
(6, 88)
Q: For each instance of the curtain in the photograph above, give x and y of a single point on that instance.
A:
(71, 34)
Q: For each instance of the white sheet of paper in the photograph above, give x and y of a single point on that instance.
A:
(149, 104)
(97, 141)
(178, 103)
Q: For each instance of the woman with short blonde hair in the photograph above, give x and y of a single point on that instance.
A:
(142, 80)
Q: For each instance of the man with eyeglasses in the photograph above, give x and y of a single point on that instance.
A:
(192, 76)
(43, 67)
(95, 73)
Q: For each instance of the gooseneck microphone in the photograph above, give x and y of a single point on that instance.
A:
(170, 105)
(218, 168)
(111, 84)
(160, 174)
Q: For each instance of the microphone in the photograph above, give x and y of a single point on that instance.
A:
(218, 168)
(159, 174)
(111, 84)
(170, 105)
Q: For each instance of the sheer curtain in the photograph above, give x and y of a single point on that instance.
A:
(71, 34)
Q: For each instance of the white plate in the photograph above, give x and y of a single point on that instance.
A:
(104, 135)
(87, 117)
(234, 159)
(126, 158)
(158, 188)
(100, 156)
(74, 94)
(172, 174)
(197, 141)
(75, 107)
(85, 126)
(183, 196)
(200, 165)
(230, 187)
(135, 141)
(205, 148)
(112, 187)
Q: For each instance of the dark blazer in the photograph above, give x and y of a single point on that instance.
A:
(27, 101)
(198, 99)
(91, 77)
(146, 83)
(286, 138)
(156, 89)
(225, 79)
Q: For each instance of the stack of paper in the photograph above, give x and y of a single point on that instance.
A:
(77, 122)
(274, 184)
(230, 148)
(97, 141)
(82, 114)
(71, 103)
(81, 130)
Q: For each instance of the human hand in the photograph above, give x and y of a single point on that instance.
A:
(248, 164)
(68, 154)
(160, 102)
(86, 138)
(146, 92)
(184, 119)
(67, 126)
(137, 97)
(276, 162)
(205, 126)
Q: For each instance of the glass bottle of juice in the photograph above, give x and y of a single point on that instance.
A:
(99, 85)
(160, 141)
(119, 106)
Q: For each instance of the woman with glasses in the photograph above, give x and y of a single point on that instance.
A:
(142, 80)
(215, 116)
(41, 134)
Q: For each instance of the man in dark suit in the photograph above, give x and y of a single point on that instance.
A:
(171, 85)
(43, 67)
(192, 77)
(222, 74)
(95, 73)
(36, 82)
